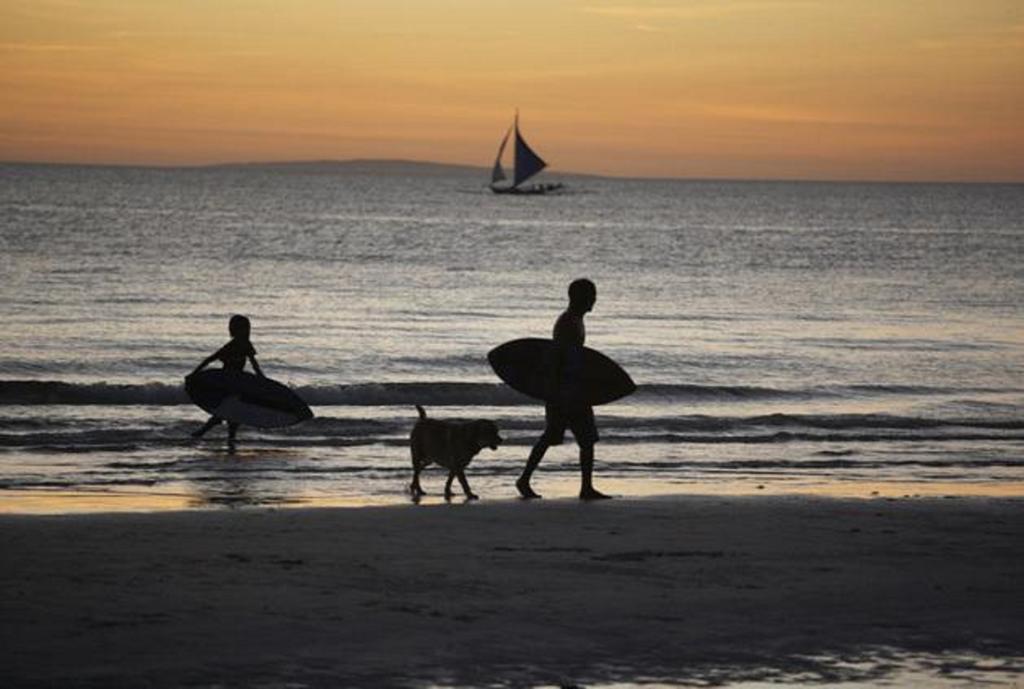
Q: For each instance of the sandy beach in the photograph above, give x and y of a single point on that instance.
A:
(551, 593)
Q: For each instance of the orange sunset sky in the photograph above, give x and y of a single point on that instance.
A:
(809, 89)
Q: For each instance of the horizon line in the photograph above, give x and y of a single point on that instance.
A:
(484, 169)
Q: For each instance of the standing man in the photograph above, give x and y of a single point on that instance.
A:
(566, 408)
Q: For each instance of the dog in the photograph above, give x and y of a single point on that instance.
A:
(452, 444)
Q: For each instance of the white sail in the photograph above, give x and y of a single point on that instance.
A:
(498, 173)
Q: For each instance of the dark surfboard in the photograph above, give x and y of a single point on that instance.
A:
(526, 365)
(246, 398)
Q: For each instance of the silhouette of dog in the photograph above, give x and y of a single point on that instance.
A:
(452, 444)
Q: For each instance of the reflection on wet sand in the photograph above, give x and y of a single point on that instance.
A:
(236, 488)
(44, 501)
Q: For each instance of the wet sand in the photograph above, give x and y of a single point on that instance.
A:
(510, 593)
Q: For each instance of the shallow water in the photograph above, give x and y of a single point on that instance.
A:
(884, 668)
(832, 338)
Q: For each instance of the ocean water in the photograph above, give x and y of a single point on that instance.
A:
(849, 339)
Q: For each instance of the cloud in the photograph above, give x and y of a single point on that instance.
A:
(49, 48)
(788, 115)
(649, 28)
(77, 12)
(1007, 37)
(696, 9)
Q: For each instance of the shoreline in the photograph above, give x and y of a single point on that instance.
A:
(82, 501)
(504, 593)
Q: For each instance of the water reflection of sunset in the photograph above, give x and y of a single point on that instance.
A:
(81, 502)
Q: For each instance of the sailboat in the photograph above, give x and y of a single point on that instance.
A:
(527, 164)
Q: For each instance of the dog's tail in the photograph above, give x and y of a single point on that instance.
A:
(423, 414)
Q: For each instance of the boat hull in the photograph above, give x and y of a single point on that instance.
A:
(531, 190)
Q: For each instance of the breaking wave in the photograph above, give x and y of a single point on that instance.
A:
(38, 392)
(76, 435)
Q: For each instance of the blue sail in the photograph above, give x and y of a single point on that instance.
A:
(528, 163)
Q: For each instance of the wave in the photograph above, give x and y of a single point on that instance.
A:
(790, 437)
(43, 392)
(31, 392)
(268, 472)
(884, 421)
(331, 432)
(815, 464)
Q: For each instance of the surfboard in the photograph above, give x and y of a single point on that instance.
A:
(246, 398)
(526, 365)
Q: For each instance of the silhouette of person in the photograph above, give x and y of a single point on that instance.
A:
(233, 356)
(566, 407)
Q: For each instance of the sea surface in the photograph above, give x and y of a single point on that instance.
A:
(786, 337)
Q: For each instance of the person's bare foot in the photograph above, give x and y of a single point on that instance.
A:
(525, 491)
(593, 494)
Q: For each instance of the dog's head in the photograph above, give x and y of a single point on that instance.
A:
(485, 434)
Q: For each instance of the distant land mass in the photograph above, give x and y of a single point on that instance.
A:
(394, 167)
(363, 166)
(423, 168)
(380, 166)
(355, 166)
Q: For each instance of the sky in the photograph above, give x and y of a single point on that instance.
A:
(786, 89)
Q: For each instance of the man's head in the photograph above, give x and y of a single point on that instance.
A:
(239, 327)
(582, 295)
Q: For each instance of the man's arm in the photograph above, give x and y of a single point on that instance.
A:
(255, 366)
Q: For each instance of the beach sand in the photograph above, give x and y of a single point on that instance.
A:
(510, 593)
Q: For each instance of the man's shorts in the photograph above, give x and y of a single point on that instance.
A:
(580, 420)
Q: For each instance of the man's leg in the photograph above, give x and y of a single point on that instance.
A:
(536, 454)
(584, 427)
(232, 432)
(554, 431)
(213, 421)
(587, 490)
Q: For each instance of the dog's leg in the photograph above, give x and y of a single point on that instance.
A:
(417, 467)
(448, 485)
(470, 495)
